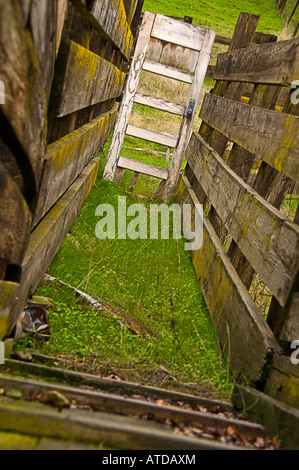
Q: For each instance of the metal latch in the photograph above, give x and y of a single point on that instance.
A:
(190, 109)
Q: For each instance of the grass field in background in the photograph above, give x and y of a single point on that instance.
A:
(220, 15)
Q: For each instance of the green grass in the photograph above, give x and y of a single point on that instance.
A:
(138, 279)
(220, 15)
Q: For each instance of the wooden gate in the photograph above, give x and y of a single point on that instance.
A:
(188, 49)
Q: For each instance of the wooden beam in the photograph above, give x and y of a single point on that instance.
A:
(85, 79)
(67, 157)
(119, 405)
(168, 71)
(274, 63)
(15, 220)
(94, 427)
(8, 297)
(113, 386)
(171, 55)
(109, 19)
(268, 240)
(243, 333)
(23, 115)
(272, 136)
(177, 32)
(143, 168)
(151, 136)
(47, 237)
(162, 105)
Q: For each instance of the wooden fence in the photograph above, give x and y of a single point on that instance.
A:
(289, 12)
(62, 70)
(241, 165)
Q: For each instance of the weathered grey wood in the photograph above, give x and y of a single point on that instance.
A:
(152, 136)
(121, 432)
(246, 338)
(119, 174)
(167, 189)
(167, 71)
(109, 19)
(277, 418)
(283, 381)
(274, 63)
(162, 105)
(8, 296)
(47, 237)
(15, 220)
(128, 97)
(23, 115)
(244, 31)
(268, 240)
(290, 329)
(272, 136)
(43, 24)
(177, 32)
(67, 157)
(84, 80)
(143, 168)
(118, 387)
(169, 54)
(112, 403)
(133, 181)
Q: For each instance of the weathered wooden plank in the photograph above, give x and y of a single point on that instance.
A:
(177, 32)
(119, 433)
(85, 79)
(273, 63)
(162, 105)
(15, 220)
(109, 19)
(151, 136)
(119, 405)
(120, 387)
(43, 25)
(128, 96)
(8, 296)
(143, 168)
(66, 158)
(47, 237)
(246, 338)
(171, 55)
(272, 136)
(167, 71)
(283, 381)
(23, 115)
(133, 181)
(266, 237)
(277, 418)
(290, 329)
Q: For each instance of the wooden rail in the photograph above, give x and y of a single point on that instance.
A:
(240, 166)
(62, 73)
